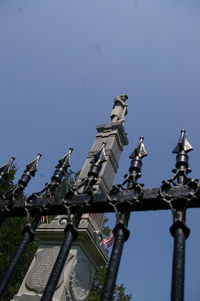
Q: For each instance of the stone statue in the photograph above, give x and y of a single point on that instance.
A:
(119, 108)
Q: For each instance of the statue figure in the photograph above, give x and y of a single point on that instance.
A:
(119, 108)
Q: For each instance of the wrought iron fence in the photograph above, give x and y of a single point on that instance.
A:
(176, 194)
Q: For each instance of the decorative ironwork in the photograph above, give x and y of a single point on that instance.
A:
(73, 222)
(96, 163)
(4, 170)
(61, 169)
(120, 231)
(29, 172)
(177, 194)
(28, 233)
(178, 206)
(17, 189)
(30, 227)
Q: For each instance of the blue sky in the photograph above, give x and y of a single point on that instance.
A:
(62, 63)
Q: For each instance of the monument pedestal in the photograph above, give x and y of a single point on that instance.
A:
(76, 279)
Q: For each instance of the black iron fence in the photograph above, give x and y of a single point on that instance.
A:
(176, 194)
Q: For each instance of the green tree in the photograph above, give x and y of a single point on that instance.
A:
(10, 235)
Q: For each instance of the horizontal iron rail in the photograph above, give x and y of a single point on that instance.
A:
(99, 202)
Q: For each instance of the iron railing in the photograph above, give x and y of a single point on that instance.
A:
(177, 194)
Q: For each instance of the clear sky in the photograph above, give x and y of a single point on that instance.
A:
(62, 63)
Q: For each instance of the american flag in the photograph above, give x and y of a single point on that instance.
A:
(93, 215)
(42, 219)
(108, 241)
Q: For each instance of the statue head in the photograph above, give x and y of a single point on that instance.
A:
(123, 97)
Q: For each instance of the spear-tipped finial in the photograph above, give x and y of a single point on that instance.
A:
(181, 171)
(33, 166)
(5, 169)
(61, 168)
(136, 156)
(64, 163)
(135, 167)
(183, 144)
(96, 164)
(29, 172)
(139, 151)
(97, 161)
(100, 156)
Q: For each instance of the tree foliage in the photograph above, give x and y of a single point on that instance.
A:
(67, 183)
(10, 235)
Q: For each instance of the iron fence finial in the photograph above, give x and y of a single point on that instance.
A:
(100, 156)
(61, 168)
(64, 163)
(139, 151)
(33, 166)
(96, 164)
(5, 169)
(183, 144)
(29, 172)
(130, 181)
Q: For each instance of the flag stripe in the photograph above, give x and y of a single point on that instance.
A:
(93, 215)
(108, 241)
(42, 219)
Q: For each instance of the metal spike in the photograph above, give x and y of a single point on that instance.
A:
(183, 144)
(130, 181)
(59, 172)
(139, 151)
(5, 169)
(33, 166)
(30, 170)
(96, 164)
(64, 163)
(100, 156)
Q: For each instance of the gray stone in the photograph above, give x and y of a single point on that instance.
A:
(26, 297)
(119, 108)
(39, 274)
(80, 281)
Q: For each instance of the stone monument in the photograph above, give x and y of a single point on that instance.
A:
(87, 252)
(119, 108)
